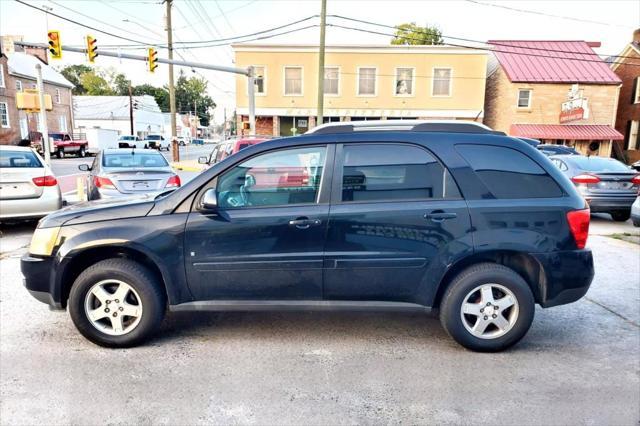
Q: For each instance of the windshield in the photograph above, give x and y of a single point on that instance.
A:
(21, 159)
(134, 160)
(127, 138)
(599, 164)
(56, 136)
(154, 137)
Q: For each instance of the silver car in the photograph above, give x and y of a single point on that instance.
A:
(28, 188)
(608, 185)
(124, 171)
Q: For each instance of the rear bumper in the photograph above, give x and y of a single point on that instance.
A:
(48, 202)
(606, 204)
(567, 276)
(37, 272)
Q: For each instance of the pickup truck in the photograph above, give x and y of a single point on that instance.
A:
(64, 144)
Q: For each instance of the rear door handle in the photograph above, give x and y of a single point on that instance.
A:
(304, 222)
(440, 216)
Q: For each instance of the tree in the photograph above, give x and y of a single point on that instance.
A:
(74, 73)
(191, 94)
(120, 84)
(95, 85)
(413, 34)
(160, 94)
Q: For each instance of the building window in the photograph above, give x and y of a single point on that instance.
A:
(441, 82)
(404, 81)
(2, 75)
(633, 139)
(18, 85)
(636, 91)
(4, 115)
(62, 123)
(331, 81)
(58, 96)
(259, 72)
(293, 81)
(524, 98)
(366, 81)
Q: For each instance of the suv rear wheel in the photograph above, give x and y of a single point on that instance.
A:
(116, 303)
(487, 308)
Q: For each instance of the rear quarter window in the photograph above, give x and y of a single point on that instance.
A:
(508, 173)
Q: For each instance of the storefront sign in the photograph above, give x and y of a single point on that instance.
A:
(576, 107)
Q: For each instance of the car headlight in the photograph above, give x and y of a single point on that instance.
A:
(43, 241)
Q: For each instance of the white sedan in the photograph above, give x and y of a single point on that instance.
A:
(28, 188)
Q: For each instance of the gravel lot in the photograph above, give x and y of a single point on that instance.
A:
(579, 364)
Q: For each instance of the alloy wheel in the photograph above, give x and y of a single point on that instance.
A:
(489, 311)
(113, 307)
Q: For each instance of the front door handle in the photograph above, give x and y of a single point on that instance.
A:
(440, 216)
(304, 222)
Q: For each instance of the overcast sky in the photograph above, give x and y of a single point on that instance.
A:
(608, 21)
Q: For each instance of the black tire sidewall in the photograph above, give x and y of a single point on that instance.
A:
(621, 216)
(136, 276)
(471, 278)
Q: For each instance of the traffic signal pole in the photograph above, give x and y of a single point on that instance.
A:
(188, 64)
(43, 116)
(175, 150)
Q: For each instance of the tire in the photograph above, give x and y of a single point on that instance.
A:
(60, 153)
(144, 299)
(621, 215)
(83, 152)
(516, 318)
(146, 146)
(636, 222)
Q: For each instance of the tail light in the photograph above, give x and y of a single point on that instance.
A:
(635, 180)
(173, 182)
(103, 182)
(45, 181)
(585, 179)
(579, 225)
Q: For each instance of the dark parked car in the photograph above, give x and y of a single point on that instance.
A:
(533, 142)
(117, 172)
(229, 147)
(608, 185)
(421, 216)
(549, 149)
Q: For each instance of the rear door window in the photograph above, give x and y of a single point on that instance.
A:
(508, 173)
(386, 172)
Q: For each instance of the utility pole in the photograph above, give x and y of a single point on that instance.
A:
(130, 110)
(252, 101)
(195, 112)
(323, 19)
(43, 116)
(172, 90)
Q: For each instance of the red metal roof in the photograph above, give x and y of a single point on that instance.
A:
(566, 131)
(552, 62)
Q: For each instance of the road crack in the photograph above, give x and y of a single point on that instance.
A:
(630, 321)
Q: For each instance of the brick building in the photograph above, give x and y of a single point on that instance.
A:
(560, 92)
(627, 68)
(17, 73)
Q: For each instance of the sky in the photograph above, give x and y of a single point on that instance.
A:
(609, 21)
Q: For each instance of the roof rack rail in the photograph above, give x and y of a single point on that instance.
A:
(404, 125)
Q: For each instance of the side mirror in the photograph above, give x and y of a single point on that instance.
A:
(84, 167)
(209, 200)
(203, 160)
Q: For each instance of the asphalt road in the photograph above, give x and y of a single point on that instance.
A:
(579, 364)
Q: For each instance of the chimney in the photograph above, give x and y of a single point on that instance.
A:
(38, 52)
(636, 37)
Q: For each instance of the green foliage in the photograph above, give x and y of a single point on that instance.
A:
(413, 34)
(74, 73)
(95, 85)
(160, 94)
(191, 94)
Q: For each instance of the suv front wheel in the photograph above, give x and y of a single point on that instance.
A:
(116, 303)
(487, 308)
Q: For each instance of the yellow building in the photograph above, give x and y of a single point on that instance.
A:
(361, 82)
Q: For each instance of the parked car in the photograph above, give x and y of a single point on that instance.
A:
(28, 188)
(533, 142)
(122, 171)
(62, 143)
(425, 217)
(230, 147)
(183, 140)
(549, 149)
(157, 142)
(130, 141)
(635, 212)
(608, 185)
(636, 165)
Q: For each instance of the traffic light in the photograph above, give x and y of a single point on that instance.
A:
(152, 59)
(92, 47)
(55, 47)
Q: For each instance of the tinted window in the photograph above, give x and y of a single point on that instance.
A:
(134, 160)
(288, 176)
(508, 173)
(599, 164)
(25, 159)
(393, 172)
(155, 138)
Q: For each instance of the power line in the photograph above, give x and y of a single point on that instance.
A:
(228, 11)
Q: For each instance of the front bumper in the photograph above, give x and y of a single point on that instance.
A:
(566, 278)
(38, 279)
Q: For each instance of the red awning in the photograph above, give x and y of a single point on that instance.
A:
(566, 131)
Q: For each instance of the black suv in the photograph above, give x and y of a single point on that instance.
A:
(397, 216)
